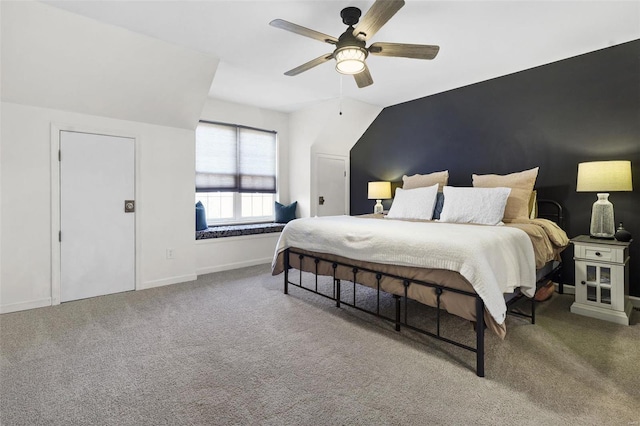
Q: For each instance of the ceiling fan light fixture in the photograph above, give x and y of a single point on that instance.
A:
(350, 60)
(350, 49)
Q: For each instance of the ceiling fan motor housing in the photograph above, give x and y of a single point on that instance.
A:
(347, 39)
(350, 15)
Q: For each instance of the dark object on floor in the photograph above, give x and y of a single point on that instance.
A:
(544, 293)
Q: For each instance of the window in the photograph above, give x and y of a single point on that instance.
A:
(235, 172)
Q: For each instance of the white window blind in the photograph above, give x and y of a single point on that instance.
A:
(235, 159)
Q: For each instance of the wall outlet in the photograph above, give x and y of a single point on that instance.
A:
(170, 253)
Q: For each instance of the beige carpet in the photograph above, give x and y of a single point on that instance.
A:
(230, 348)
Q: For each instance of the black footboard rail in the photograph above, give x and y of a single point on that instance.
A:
(401, 317)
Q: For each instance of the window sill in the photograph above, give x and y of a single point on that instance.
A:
(238, 230)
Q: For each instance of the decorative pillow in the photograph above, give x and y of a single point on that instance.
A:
(285, 214)
(533, 205)
(417, 203)
(420, 181)
(484, 206)
(521, 185)
(201, 217)
(437, 210)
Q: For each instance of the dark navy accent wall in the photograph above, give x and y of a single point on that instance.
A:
(554, 116)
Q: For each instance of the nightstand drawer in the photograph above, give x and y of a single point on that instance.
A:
(598, 253)
(601, 253)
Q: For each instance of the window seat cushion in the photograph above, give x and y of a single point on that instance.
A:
(238, 230)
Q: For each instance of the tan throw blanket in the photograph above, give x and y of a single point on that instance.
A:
(547, 238)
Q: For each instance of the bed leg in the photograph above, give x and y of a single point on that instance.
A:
(533, 310)
(337, 282)
(286, 271)
(334, 266)
(479, 337)
(397, 298)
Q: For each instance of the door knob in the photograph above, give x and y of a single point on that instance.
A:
(321, 200)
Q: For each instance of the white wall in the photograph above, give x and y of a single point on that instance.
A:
(165, 175)
(221, 254)
(321, 129)
(63, 70)
(101, 94)
(55, 59)
(165, 201)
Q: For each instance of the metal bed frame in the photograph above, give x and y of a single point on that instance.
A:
(401, 315)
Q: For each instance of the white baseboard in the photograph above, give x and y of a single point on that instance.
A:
(571, 289)
(167, 281)
(567, 288)
(235, 265)
(23, 306)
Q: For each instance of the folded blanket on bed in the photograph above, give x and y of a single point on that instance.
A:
(548, 239)
(494, 259)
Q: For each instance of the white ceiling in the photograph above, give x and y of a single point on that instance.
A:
(478, 40)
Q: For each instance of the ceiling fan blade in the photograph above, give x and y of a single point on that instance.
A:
(416, 51)
(294, 28)
(308, 65)
(363, 78)
(378, 15)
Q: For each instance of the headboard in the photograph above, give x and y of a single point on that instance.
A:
(551, 210)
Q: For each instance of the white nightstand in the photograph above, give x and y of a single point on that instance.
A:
(602, 279)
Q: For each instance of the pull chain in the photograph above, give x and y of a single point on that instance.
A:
(340, 95)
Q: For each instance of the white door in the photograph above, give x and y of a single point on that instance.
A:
(331, 182)
(97, 244)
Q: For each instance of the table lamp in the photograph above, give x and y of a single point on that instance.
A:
(379, 191)
(603, 177)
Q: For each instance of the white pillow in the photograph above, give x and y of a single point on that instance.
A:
(484, 206)
(414, 203)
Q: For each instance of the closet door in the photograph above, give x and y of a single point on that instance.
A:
(331, 185)
(97, 239)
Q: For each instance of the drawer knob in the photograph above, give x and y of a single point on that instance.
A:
(598, 253)
(583, 282)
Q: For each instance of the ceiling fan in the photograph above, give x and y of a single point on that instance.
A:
(350, 51)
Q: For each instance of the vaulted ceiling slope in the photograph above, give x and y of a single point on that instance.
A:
(55, 59)
(478, 40)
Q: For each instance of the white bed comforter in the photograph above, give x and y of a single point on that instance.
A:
(494, 259)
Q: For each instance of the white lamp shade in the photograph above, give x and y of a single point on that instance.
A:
(604, 176)
(350, 60)
(379, 190)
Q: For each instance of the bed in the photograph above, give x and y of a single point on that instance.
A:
(437, 264)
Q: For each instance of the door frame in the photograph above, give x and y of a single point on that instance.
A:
(56, 128)
(314, 195)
